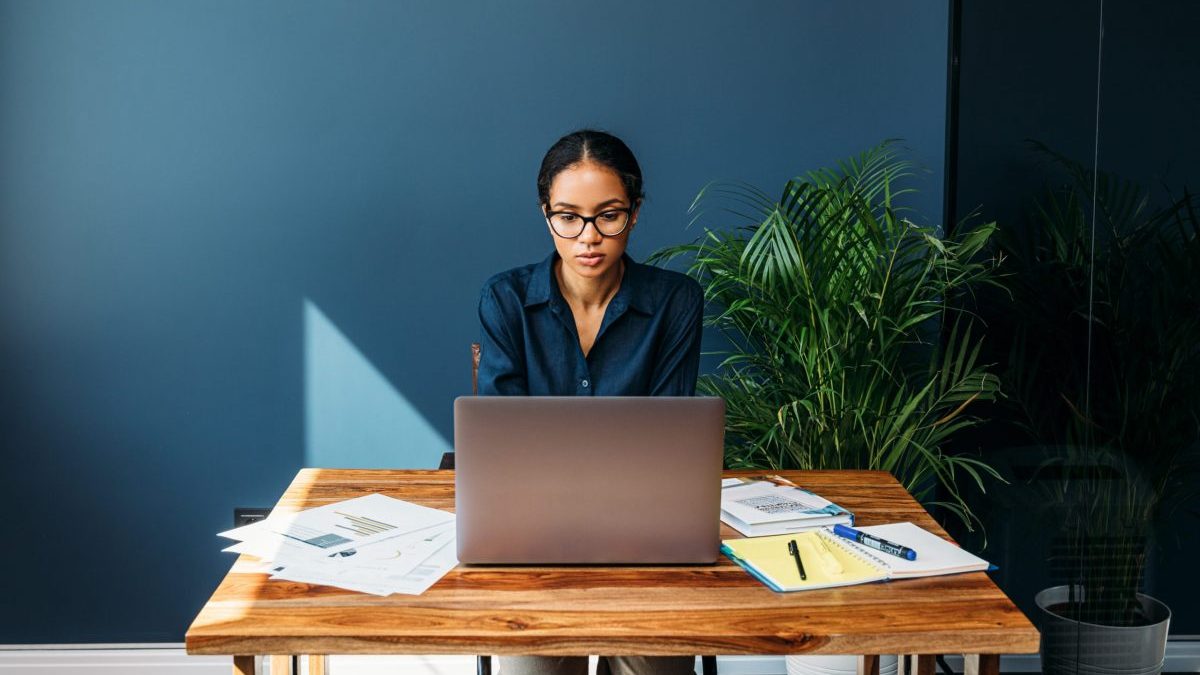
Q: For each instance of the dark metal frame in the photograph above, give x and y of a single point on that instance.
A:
(950, 172)
(708, 665)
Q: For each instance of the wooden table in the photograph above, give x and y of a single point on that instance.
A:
(712, 609)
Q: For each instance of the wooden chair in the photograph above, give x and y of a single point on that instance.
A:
(448, 457)
(483, 664)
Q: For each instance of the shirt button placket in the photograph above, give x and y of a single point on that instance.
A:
(584, 379)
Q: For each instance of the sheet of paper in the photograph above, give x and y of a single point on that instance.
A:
(427, 573)
(271, 546)
(934, 554)
(346, 524)
(390, 557)
(248, 531)
(397, 557)
(373, 544)
(412, 581)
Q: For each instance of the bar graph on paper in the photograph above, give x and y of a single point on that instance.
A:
(363, 526)
(334, 528)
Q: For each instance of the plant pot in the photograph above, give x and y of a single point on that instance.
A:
(836, 665)
(1080, 648)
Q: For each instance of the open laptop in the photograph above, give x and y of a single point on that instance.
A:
(585, 480)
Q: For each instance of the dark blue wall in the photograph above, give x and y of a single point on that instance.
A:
(236, 238)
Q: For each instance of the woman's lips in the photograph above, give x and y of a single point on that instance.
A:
(590, 259)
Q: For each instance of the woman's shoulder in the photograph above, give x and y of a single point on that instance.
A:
(510, 279)
(664, 286)
(667, 278)
(514, 285)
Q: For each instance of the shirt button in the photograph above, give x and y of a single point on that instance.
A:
(584, 383)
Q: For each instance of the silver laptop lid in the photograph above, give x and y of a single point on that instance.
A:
(574, 479)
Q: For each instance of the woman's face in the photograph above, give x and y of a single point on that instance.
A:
(587, 189)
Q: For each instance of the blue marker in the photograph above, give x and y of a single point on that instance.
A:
(875, 542)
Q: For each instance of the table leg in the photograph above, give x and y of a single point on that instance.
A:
(244, 665)
(281, 664)
(868, 665)
(981, 664)
(318, 664)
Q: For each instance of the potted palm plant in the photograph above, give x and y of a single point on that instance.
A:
(1104, 369)
(846, 345)
(833, 303)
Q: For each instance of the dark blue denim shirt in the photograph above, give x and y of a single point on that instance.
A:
(648, 344)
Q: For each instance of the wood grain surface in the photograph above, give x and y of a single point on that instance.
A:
(647, 610)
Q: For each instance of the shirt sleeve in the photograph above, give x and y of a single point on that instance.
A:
(501, 359)
(678, 362)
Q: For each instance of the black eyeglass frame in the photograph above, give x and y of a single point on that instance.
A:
(590, 219)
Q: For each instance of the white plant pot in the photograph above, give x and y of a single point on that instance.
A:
(836, 665)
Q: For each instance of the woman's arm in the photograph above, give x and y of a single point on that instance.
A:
(501, 359)
(678, 362)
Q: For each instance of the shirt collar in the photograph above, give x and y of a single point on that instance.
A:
(632, 293)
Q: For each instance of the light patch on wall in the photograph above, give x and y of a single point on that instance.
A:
(354, 417)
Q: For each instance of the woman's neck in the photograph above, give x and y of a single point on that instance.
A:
(586, 292)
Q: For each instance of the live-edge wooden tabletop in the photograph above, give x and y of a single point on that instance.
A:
(704, 609)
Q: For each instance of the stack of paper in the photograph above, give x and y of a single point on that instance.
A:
(373, 544)
(765, 505)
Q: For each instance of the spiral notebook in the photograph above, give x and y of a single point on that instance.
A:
(830, 560)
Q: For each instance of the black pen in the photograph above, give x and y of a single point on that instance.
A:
(799, 563)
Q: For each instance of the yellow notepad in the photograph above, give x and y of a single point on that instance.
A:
(769, 559)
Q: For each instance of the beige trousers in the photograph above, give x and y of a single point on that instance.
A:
(616, 665)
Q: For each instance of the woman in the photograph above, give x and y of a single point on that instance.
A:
(588, 320)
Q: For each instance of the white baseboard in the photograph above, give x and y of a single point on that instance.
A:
(1183, 656)
(171, 659)
(108, 659)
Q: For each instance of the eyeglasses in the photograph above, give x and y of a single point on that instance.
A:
(609, 222)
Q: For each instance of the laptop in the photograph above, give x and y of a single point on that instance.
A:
(588, 480)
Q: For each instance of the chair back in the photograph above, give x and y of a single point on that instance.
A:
(474, 368)
(448, 457)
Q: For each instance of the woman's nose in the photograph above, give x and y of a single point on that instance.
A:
(591, 233)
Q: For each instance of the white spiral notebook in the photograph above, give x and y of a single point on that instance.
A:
(830, 560)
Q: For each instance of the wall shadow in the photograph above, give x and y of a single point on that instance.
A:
(353, 416)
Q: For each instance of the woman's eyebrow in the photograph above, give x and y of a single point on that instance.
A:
(572, 206)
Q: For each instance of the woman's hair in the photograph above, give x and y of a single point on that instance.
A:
(597, 146)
